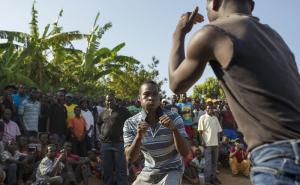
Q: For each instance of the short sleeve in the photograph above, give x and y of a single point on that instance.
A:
(21, 108)
(201, 124)
(180, 127)
(219, 126)
(128, 133)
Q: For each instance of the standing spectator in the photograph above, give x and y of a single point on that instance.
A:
(209, 129)
(186, 112)
(49, 170)
(111, 122)
(44, 113)
(70, 106)
(29, 112)
(77, 126)
(100, 105)
(20, 96)
(164, 103)
(224, 151)
(198, 112)
(228, 123)
(11, 129)
(238, 159)
(89, 120)
(160, 136)
(57, 118)
(173, 107)
(7, 100)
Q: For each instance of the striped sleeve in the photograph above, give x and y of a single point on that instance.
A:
(128, 133)
(178, 121)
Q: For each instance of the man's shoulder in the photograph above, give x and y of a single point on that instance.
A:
(173, 115)
(134, 119)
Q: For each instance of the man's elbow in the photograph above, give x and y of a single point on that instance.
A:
(176, 87)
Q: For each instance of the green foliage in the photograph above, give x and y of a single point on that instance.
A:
(209, 89)
(126, 84)
(50, 61)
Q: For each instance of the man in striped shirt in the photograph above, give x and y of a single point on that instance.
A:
(29, 112)
(160, 136)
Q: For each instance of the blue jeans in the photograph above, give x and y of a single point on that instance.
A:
(113, 158)
(276, 163)
(211, 154)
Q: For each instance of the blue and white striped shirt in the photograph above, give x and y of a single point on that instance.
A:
(157, 145)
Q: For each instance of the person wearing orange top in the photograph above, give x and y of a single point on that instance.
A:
(77, 126)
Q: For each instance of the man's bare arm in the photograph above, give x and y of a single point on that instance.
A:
(207, 44)
(132, 152)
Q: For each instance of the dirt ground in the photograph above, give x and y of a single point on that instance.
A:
(226, 179)
(224, 176)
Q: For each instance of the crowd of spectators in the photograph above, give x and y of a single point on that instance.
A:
(56, 138)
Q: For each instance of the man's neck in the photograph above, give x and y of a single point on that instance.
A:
(234, 8)
(152, 117)
(6, 121)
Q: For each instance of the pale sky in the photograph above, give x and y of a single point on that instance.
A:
(146, 26)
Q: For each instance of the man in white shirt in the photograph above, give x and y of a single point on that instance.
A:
(209, 129)
(89, 119)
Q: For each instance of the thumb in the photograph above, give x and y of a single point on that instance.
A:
(193, 14)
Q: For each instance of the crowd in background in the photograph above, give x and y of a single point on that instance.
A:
(56, 138)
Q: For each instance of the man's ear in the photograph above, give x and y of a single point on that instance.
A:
(216, 4)
(252, 5)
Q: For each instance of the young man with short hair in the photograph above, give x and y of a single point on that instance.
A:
(160, 136)
(209, 130)
(77, 126)
(259, 76)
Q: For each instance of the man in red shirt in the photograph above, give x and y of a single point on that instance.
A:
(238, 159)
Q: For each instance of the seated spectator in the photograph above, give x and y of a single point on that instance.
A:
(77, 126)
(198, 162)
(12, 161)
(50, 168)
(43, 139)
(224, 151)
(76, 166)
(53, 139)
(196, 167)
(238, 159)
(22, 142)
(11, 129)
(2, 172)
(136, 168)
(95, 163)
(1, 137)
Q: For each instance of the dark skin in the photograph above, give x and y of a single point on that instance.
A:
(207, 44)
(77, 112)
(210, 111)
(150, 101)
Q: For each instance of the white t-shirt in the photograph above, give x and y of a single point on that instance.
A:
(89, 119)
(211, 127)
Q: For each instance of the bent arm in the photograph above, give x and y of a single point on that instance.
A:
(132, 152)
(185, 70)
(181, 144)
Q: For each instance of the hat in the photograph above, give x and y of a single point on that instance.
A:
(69, 95)
(164, 100)
(208, 100)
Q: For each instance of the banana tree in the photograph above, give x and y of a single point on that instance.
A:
(95, 63)
(36, 48)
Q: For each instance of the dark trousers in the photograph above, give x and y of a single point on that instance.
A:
(79, 147)
(114, 160)
(211, 154)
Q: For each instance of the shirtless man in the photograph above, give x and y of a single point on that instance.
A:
(260, 78)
